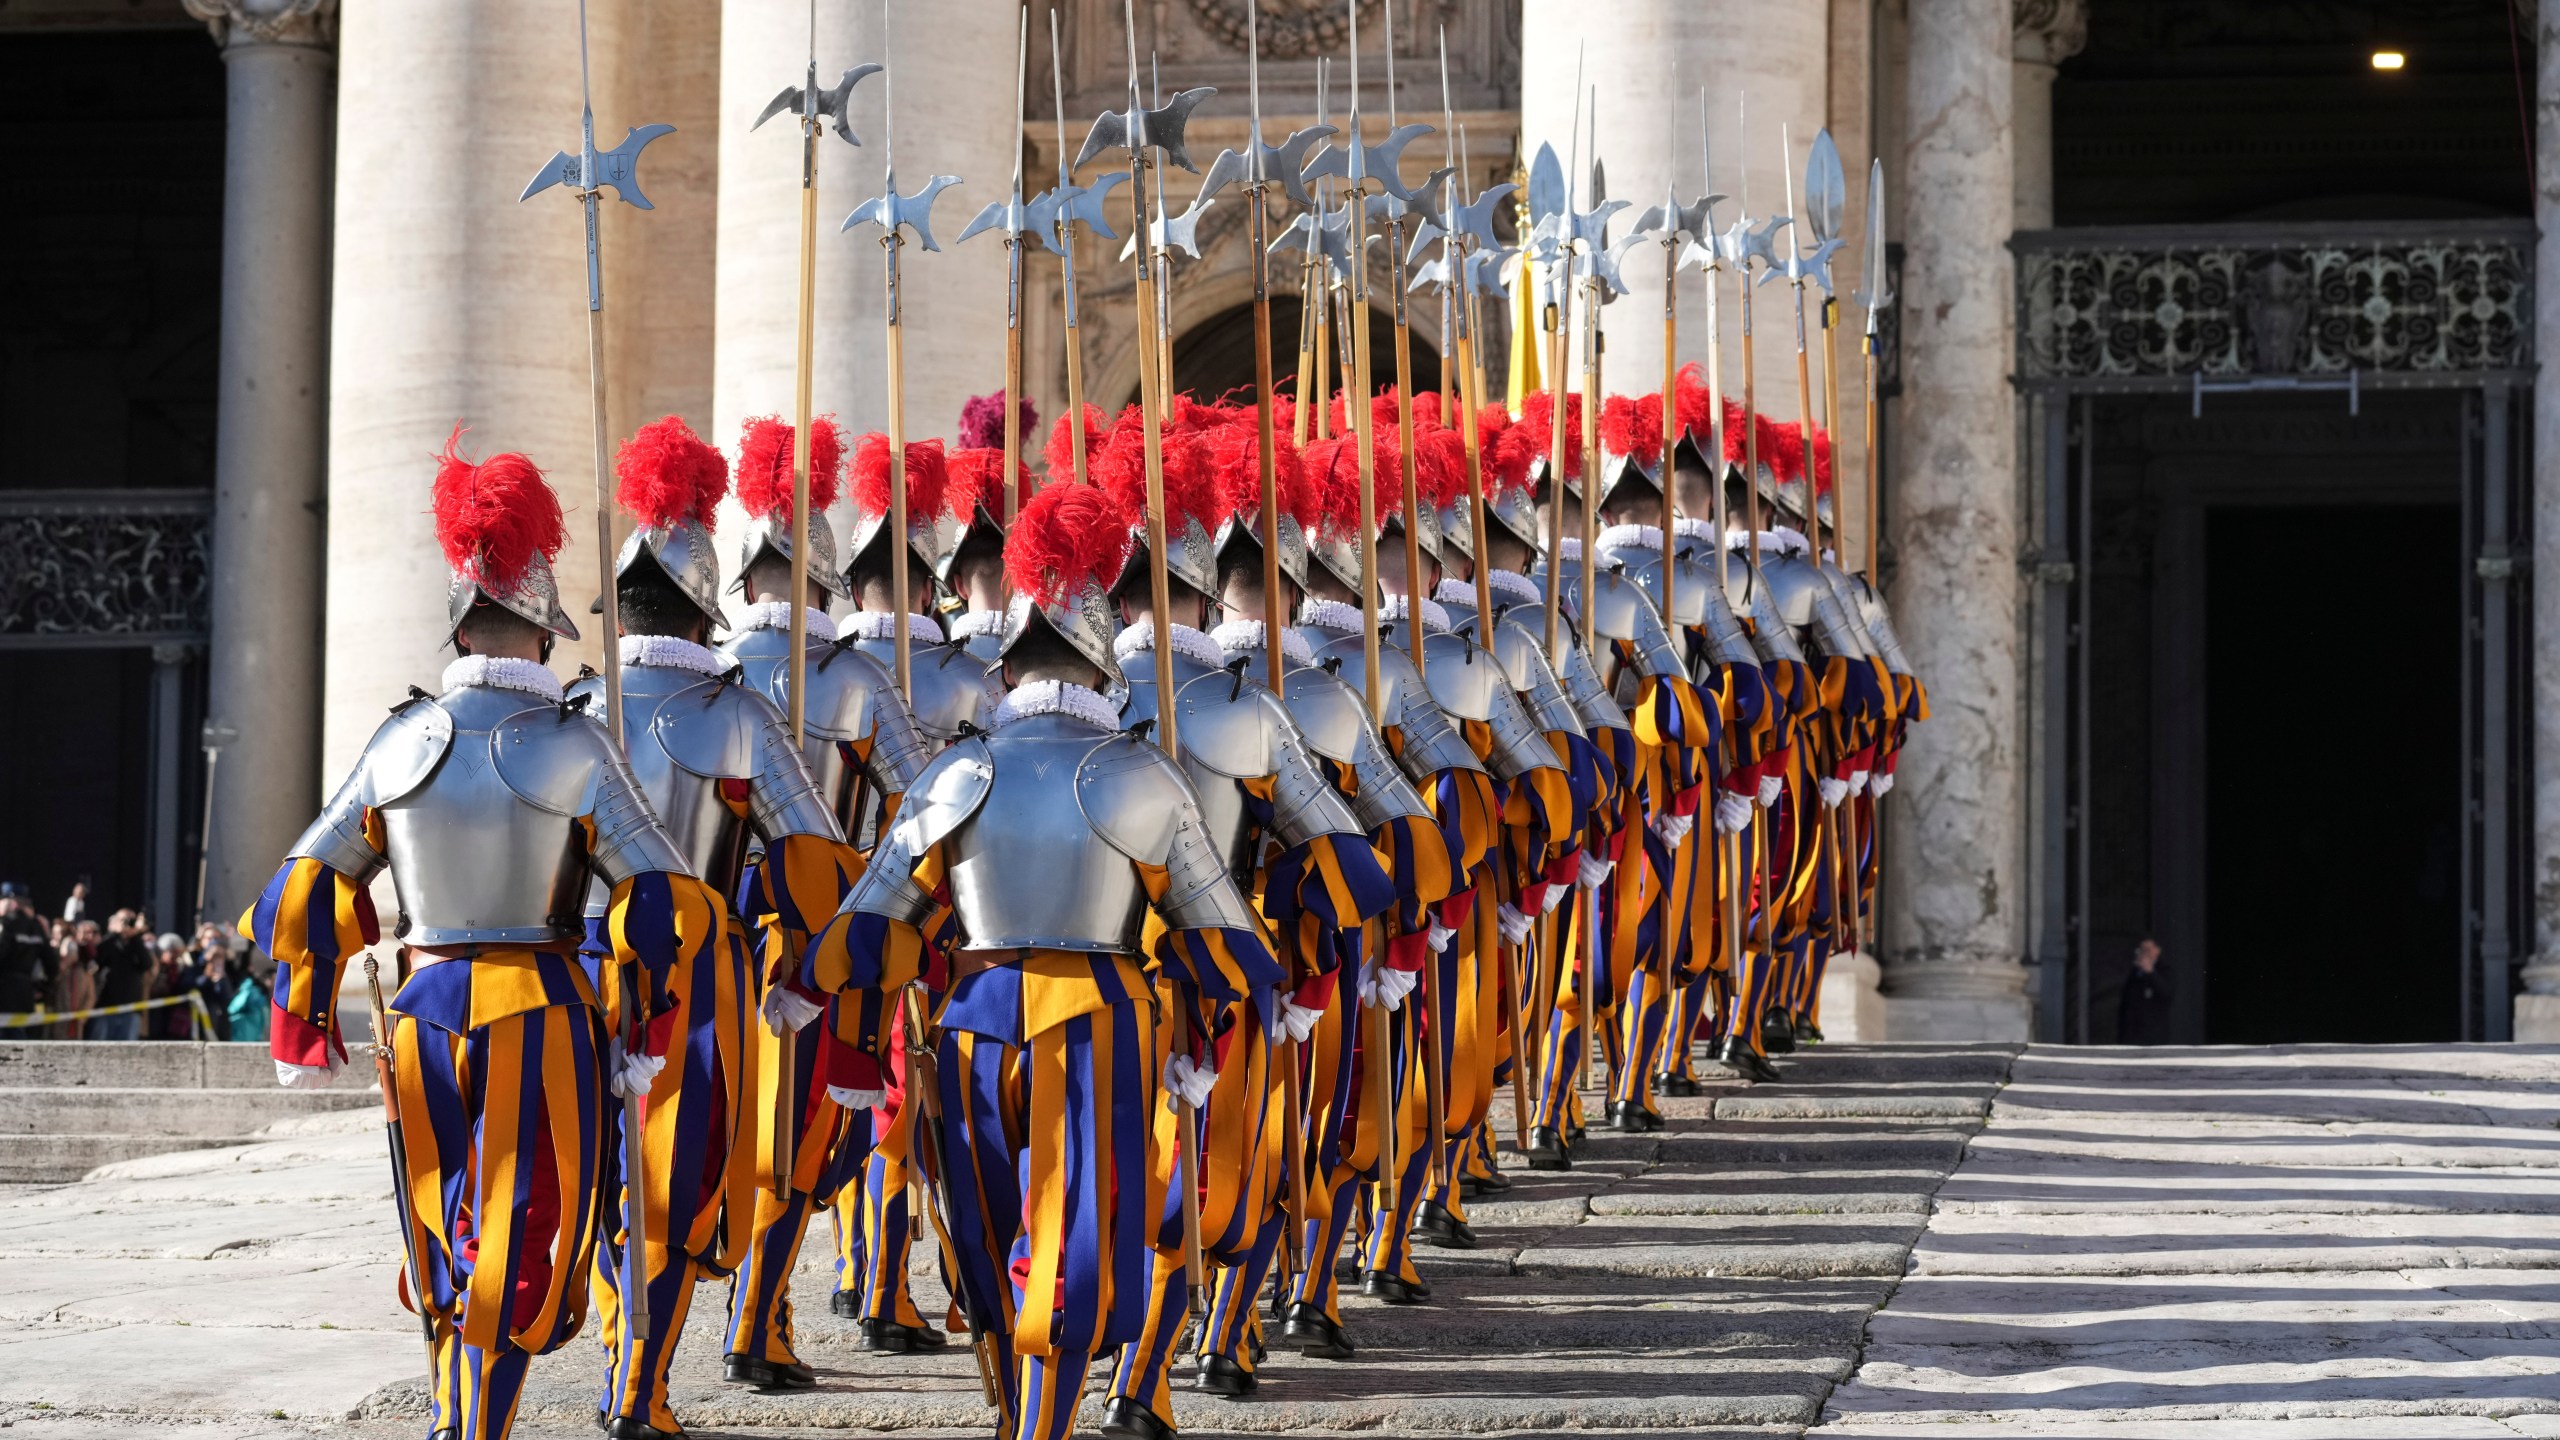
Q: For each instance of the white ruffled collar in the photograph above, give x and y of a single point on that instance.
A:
(1188, 643)
(1690, 527)
(503, 672)
(776, 615)
(1455, 592)
(1512, 585)
(1054, 697)
(1252, 637)
(1776, 539)
(1433, 616)
(1631, 537)
(1569, 549)
(1331, 615)
(878, 625)
(976, 622)
(670, 651)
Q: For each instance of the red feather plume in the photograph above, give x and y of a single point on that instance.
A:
(1439, 464)
(1333, 485)
(1067, 537)
(1060, 453)
(494, 517)
(764, 466)
(1631, 425)
(1190, 482)
(1538, 418)
(1235, 457)
(975, 477)
(927, 474)
(665, 475)
(1696, 404)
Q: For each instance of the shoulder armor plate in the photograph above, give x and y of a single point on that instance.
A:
(1328, 712)
(405, 750)
(949, 792)
(1464, 678)
(550, 760)
(1229, 725)
(706, 730)
(1133, 797)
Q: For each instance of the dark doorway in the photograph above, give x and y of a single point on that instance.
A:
(2333, 783)
(1214, 359)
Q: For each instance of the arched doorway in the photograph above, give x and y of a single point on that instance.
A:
(1215, 358)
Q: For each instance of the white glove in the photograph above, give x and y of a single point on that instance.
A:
(1732, 812)
(1594, 872)
(787, 1011)
(1674, 828)
(311, 1077)
(1438, 937)
(1296, 1020)
(857, 1099)
(1770, 787)
(1858, 782)
(1553, 898)
(1385, 987)
(634, 1074)
(1832, 791)
(1880, 784)
(1190, 1081)
(1515, 926)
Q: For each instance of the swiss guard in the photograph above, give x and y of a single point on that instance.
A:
(495, 804)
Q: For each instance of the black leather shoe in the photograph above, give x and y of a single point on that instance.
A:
(1777, 1034)
(1394, 1289)
(1476, 1187)
(846, 1304)
(1126, 1418)
(891, 1338)
(1261, 1352)
(766, 1374)
(1676, 1087)
(1546, 1150)
(1222, 1376)
(624, 1427)
(1807, 1033)
(449, 1433)
(1737, 1055)
(1440, 1228)
(1317, 1336)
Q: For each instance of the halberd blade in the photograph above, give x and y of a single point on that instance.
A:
(1546, 185)
(1163, 128)
(618, 167)
(1086, 205)
(890, 210)
(831, 102)
(1475, 219)
(1826, 189)
(1286, 159)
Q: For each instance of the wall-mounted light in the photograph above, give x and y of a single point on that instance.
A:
(2389, 60)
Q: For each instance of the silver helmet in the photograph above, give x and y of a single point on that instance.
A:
(925, 542)
(1190, 556)
(1511, 511)
(682, 551)
(1084, 617)
(771, 535)
(1339, 555)
(1245, 528)
(534, 595)
(956, 533)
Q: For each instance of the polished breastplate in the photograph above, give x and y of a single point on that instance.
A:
(1027, 868)
(485, 844)
(946, 686)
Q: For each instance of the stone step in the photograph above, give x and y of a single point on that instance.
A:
(134, 1064)
(165, 1114)
(59, 1159)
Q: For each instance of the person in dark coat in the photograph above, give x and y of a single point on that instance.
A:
(2143, 1016)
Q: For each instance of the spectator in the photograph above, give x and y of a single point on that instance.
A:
(251, 999)
(172, 978)
(75, 979)
(215, 981)
(2143, 1016)
(26, 959)
(124, 964)
(76, 909)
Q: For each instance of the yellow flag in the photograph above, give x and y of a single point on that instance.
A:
(1525, 374)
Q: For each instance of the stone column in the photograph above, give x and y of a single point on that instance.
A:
(2537, 1011)
(1648, 60)
(2046, 33)
(454, 304)
(270, 448)
(950, 66)
(167, 827)
(1953, 937)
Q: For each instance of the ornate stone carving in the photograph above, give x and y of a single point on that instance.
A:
(104, 563)
(1291, 29)
(2043, 32)
(268, 22)
(2440, 299)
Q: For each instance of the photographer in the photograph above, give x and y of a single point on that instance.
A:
(26, 959)
(124, 962)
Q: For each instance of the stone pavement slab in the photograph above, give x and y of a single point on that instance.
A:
(1713, 1279)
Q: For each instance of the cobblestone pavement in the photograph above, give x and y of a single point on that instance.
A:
(2341, 1242)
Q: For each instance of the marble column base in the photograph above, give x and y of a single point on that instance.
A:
(2537, 1012)
(1958, 1000)
(1852, 1007)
